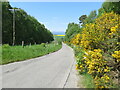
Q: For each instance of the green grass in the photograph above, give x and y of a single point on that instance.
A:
(0, 54)
(18, 53)
(87, 81)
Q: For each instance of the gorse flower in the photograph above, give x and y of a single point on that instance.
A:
(117, 55)
(77, 67)
(93, 40)
(113, 29)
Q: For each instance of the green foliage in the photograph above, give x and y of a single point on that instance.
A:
(59, 40)
(88, 81)
(6, 46)
(100, 42)
(100, 12)
(6, 23)
(111, 6)
(0, 54)
(71, 31)
(91, 17)
(27, 28)
(43, 44)
(82, 18)
(18, 53)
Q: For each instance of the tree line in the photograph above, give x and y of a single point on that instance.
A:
(27, 28)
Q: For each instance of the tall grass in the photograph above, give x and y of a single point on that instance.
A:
(18, 53)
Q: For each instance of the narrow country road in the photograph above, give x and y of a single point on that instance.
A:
(49, 71)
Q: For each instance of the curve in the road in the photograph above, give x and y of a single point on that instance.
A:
(49, 71)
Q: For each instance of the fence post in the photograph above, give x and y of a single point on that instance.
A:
(30, 44)
(23, 44)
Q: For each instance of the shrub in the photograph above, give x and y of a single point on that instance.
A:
(99, 40)
(5, 45)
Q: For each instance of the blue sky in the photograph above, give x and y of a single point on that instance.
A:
(56, 15)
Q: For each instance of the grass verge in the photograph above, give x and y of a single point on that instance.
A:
(18, 53)
(0, 54)
(87, 81)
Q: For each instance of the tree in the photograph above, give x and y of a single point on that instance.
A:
(71, 31)
(91, 17)
(111, 6)
(27, 28)
(6, 23)
(82, 18)
(100, 12)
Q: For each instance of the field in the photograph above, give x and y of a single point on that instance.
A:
(18, 53)
(58, 36)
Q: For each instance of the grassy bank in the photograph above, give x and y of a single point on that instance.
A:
(88, 81)
(18, 53)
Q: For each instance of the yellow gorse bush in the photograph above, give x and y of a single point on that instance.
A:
(97, 67)
(94, 35)
(76, 39)
(114, 30)
(117, 55)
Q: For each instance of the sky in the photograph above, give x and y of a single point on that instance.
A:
(57, 15)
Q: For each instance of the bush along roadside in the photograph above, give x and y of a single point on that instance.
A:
(97, 50)
(18, 53)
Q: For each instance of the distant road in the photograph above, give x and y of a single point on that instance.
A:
(49, 71)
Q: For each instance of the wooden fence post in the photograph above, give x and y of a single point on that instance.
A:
(23, 44)
(30, 44)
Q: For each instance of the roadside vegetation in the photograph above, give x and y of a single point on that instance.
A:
(59, 38)
(30, 38)
(0, 54)
(97, 46)
(88, 81)
(18, 53)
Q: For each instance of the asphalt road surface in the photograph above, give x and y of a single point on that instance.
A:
(49, 71)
